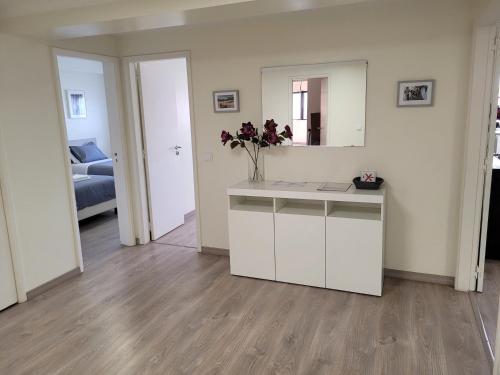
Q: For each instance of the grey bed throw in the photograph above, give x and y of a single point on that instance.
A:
(101, 169)
(97, 189)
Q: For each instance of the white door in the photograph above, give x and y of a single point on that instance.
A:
(161, 146)
(8, 295)
(490, 150)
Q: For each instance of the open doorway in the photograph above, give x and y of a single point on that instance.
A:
(165, 132)
(92, 130)
(309, 111)
(488, 270)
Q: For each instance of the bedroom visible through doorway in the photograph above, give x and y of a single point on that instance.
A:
(88, 102)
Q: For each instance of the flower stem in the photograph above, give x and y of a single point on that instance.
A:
(254, 160)
(256, 169)
(249, 154)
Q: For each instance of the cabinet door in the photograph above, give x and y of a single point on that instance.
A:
(251, 242)
(354, 255)
(8, 294)
(300, 249)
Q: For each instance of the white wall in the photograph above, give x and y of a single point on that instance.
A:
(419, 151)
(86, 75)
(34, 160)
(486, 12)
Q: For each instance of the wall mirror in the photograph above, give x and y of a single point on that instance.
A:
(323, 103)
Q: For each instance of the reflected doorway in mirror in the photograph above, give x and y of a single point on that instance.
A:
(310, 111)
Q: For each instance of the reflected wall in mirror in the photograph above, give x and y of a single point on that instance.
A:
(323, 103)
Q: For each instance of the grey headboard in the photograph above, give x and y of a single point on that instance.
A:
(79, 142)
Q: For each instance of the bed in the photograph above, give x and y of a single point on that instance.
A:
(99, 168)
(102, 167)
(93, 181)
(94, 195)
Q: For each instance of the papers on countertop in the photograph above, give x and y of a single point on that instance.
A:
(289, 184)
(334, 186)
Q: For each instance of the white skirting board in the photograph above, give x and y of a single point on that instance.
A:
(395, 274)
(96, 210)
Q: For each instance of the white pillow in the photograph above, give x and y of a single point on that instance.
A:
(73, 158)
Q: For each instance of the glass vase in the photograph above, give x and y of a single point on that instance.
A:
(256, 169)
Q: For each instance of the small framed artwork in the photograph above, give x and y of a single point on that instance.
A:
(416, 93)
(227, 101)
(77, 107)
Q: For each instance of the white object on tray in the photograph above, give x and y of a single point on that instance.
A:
(80, 177)
(368, 176)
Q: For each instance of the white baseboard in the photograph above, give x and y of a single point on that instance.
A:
(396, 274)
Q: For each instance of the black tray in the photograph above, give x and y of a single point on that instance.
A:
(368, 185)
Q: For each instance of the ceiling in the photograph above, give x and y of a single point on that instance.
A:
(60, 19)
(16, 8)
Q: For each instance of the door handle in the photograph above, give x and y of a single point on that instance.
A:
(176, 148)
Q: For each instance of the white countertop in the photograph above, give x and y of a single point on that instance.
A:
(307, 191)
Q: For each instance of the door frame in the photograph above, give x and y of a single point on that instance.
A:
(10, 219)
(488, 171)
(476, 141)
(115, 115)
(136, 149)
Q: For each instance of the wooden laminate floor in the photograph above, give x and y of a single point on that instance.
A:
(487, 301)
(185, 235)
(99, 236)
(162, 309)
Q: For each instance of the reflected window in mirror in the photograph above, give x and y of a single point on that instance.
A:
(303, 96)
(299, 104)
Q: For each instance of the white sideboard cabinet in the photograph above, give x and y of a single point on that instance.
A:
(297, 234)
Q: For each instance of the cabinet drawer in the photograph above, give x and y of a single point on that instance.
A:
(354, 255)
(300, 249)
(251, 244)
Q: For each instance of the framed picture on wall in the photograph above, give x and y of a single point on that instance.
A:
(416, 93)
(77, 107)
(227, 101)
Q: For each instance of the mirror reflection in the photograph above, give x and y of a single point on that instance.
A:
(323, 103)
